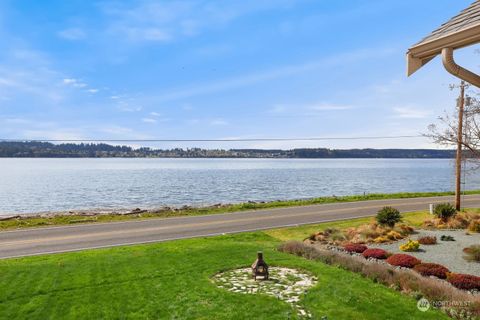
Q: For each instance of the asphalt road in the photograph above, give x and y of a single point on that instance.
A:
(80, 237)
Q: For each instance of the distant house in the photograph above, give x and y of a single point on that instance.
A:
(460, 31)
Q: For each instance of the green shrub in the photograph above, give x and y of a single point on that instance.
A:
(447, 238)
(388, 216)
(444, 211)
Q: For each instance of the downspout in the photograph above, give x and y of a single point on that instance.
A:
(458, 71)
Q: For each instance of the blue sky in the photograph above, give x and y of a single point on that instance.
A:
(221, 69)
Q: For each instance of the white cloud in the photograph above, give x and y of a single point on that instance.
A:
(116, 130)
(119, 132)
(146, 34)
(7, 82)
(37, 81)
(17, 121)
(54, 134)
(72, 34)
(155, 114)
(206, 121)
(411, 113)
(329, 107)
(92, 90)
(149, 120)
(154, 21)
(69, 81)
(128, 108)
(74, 82)
(306, 110)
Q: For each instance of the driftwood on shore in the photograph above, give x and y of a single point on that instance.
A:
(10, 218)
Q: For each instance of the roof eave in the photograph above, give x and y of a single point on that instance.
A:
(422, 53)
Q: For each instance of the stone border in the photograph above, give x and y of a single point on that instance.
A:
(285, 284)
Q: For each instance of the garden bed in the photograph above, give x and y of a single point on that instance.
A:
(447, 253)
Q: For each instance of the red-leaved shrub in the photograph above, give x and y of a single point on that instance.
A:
(355, 247)
(375, 253)
(464, 281)
(427, 240)
(403, 260)
(431, 269)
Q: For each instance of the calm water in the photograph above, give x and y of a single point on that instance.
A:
(34, 185)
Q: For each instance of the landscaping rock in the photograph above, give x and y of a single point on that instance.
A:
(284, 283)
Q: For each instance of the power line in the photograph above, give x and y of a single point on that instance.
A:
(216, 140)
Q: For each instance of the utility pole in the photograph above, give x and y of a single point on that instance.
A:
(458, 160)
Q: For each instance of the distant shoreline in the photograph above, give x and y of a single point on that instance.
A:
(102, 150)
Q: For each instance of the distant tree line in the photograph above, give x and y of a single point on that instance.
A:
(101, 150)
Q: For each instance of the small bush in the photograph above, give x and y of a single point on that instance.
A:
(474, 226)
(444, 211)
(411, 245)
(472, 253)
(405, 229)
(427, 240)
(403, 260)
(447, 238)
(432, 269)
(464, 281)
(388, 216)
(375, 253)
(394, 235)
(355, 247)
(381, 239)
(294, 247)
(299, 249)
(461, 220)
(331, 235)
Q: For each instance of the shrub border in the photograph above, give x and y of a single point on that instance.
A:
(404, 280)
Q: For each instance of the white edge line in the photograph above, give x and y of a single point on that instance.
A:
(190, 237)
(80, 225)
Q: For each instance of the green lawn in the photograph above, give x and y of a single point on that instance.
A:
(75, 219)
(170, 280)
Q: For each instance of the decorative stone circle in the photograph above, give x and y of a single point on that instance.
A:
(284, 283)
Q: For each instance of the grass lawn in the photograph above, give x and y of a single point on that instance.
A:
(36, 221)
(171, 280)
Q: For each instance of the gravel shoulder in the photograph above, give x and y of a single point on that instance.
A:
(447, 253)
